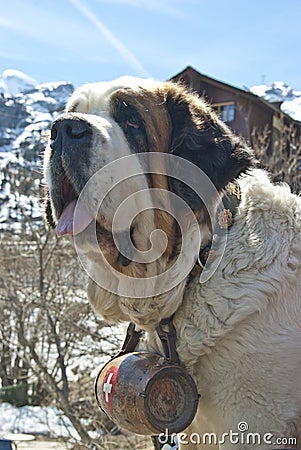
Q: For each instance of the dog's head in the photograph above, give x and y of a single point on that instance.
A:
(105, 122)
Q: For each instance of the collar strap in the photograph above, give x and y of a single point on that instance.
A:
(131, 340)
(167, 337)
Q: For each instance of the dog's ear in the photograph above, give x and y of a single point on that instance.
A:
(199, 136)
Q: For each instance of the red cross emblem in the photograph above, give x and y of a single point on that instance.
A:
(108, 386)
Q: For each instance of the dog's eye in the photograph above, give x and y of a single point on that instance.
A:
(127, 116)
(132, 124)
(135, 133)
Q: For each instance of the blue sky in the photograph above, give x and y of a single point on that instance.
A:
(240, 42)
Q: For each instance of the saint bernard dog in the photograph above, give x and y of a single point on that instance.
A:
(238, 333)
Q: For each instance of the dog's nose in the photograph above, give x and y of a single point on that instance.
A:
(70, 130)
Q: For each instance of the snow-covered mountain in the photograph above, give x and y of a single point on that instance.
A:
(26, 111)
(279, 92)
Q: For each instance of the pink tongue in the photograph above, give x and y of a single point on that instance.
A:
(68, 224)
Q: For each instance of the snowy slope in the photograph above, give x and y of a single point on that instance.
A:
(27, 110)
(13, 82)
(280, 92)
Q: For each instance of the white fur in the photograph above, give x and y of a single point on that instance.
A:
(240, 332)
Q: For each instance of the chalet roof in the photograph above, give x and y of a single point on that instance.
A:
(235, 91)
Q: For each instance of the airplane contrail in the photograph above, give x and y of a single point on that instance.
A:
(108, 35)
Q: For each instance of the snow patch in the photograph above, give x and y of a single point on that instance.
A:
(46, 421)
(293, 108)
(13, 82)
(280, 92)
